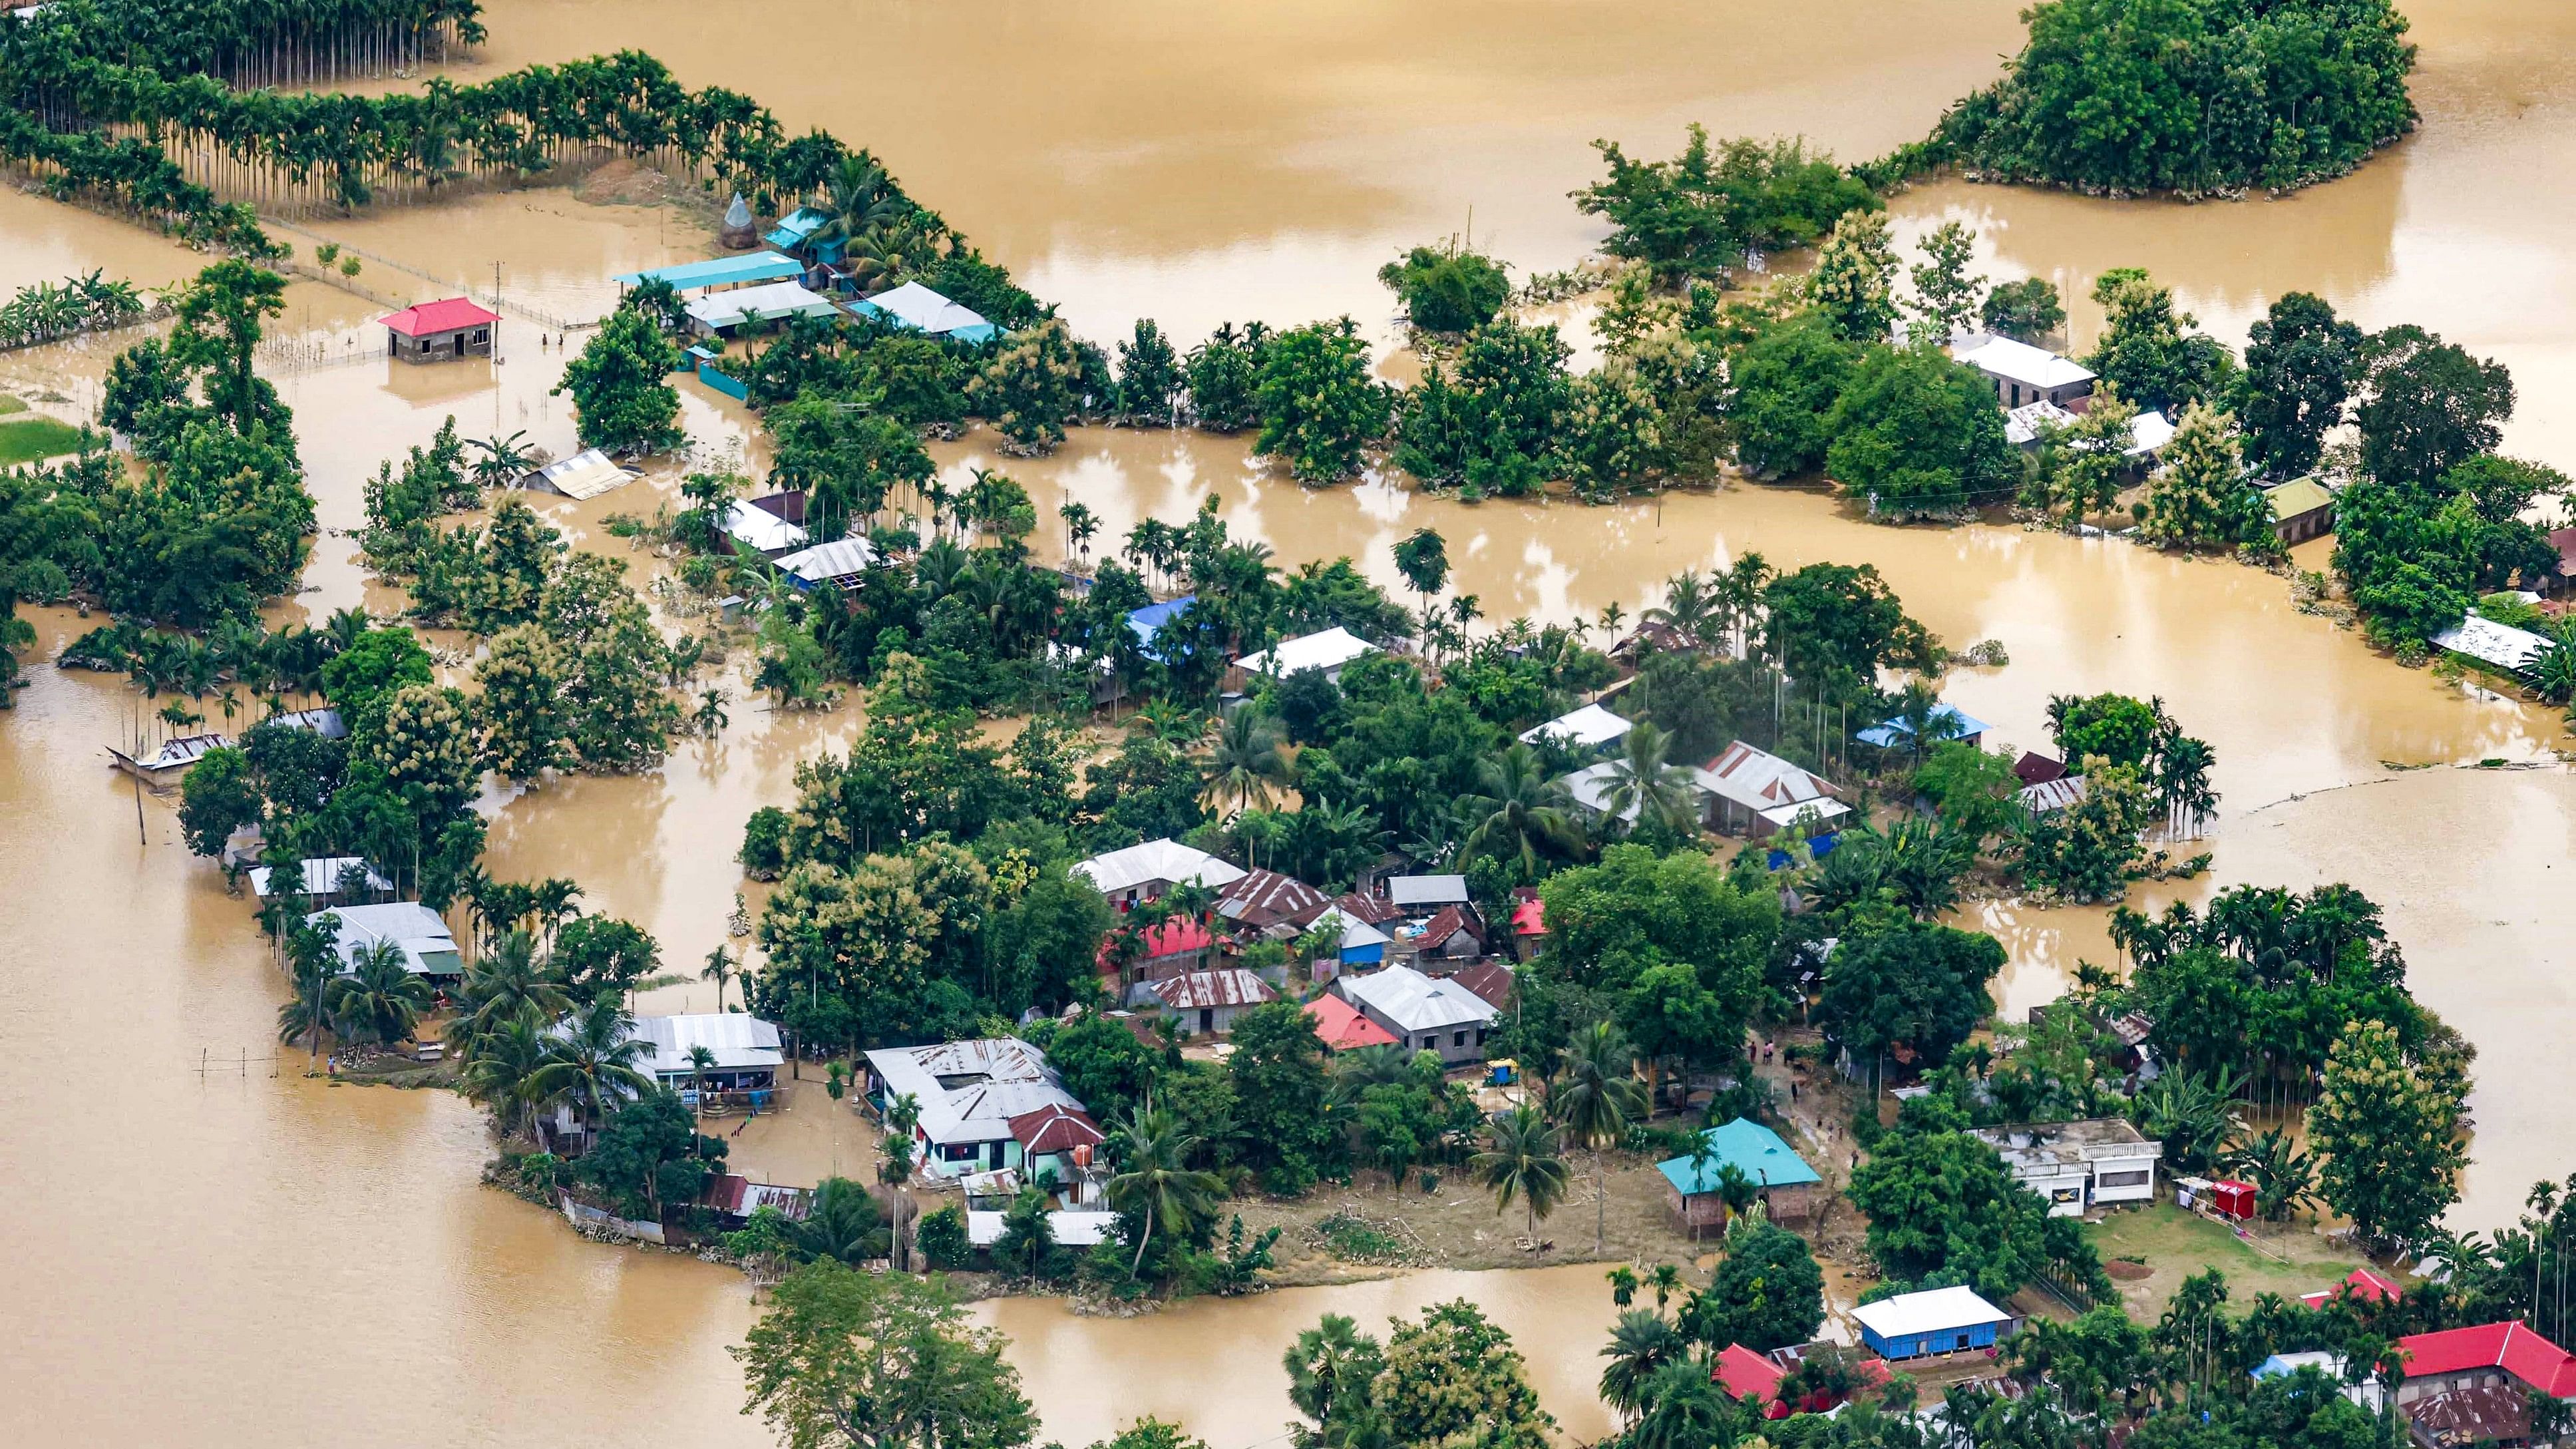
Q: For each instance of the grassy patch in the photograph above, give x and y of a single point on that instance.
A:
(1354, 1239)
(9, 404)
(2288, 1260)
(29, 439)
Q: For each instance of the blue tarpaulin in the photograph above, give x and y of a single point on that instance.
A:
(1148, 621)
(1818, 847)
(721, 272)
(1967, 727)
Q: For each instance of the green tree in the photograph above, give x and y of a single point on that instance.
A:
(2144, 349)
(1918, 435)
(1332, 1369)
(1854, 282)
(2390, 1133)
(2081, 467)
(2026, 311)
(1921, 986)
(1767, 1293)
(1520, 1160)
(1594, 1096)
(1448, 288)
(219, 795)
(1155, 1182)
(1840, 623)
(1785, 382)
(620, 385)
(1225, 381)
(1319, 405)
(2427, 406)
(1948, 294)
(1700, 214)
(1031, 385)
(520, 713)
(426, 749)
(1522, 819)
(1455, 1378)
(2301, 362)
(2199, 499)
(845, 1359)
(1150, 383)
(1281, 1094)
(219, 328)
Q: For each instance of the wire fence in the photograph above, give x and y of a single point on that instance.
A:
(491, 297)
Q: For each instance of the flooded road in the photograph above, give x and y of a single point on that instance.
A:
(238, 1258)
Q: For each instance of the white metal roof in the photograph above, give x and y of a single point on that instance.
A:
(1331, 649)
(1759, 780)
(759, 529)
(1427, 890)
(2025, 423)
(428, 947)
(768, 301)
(2484, 639)
(1823, 808)
(918, 307)
(824, 562)
(585, 474)
(1417, 1002)
(1356, 933)
(1908, 1314)
(2017, 361)
(1590, 725)
(1074, 1227)
(990, 1081)
(321, 876)
(2051, 795)
(325, 722)
(739, 1041)
(1166, 860)
(2149, 432)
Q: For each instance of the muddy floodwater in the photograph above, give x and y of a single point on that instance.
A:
(205, 1254)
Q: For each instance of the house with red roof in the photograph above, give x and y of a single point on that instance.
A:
(1167, 948)
(2486, 1356)
(433, 331)
(2361, 1285)
(1756, 1377)
(1343, 1028)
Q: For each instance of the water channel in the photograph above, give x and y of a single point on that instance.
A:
(227, 1258)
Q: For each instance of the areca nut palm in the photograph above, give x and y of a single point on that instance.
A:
(1596, 1095)
(1520, 1161)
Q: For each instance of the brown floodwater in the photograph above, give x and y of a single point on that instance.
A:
(221, 1257)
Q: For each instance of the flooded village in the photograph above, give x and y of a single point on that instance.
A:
(1028, 864)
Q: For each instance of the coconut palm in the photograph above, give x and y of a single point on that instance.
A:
(844, 1222)
(1522, 817)
(1681, 1408)
(380, 1001)
(1640, 1343)
(1922, 720)
(498, 1073)
(1739, 592)
(1520, 1161)
(1646, 788)
(504, 985)
(590, 1064)
(702, 1060)
(1245, 765)
(1154, 1178)
(1689, 609)
(1596, 1095)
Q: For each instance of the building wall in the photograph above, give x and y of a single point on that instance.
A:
(2300, 527)
(1444, 1041)
(1919, 1345)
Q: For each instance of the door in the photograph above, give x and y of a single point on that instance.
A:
(1207, 1018)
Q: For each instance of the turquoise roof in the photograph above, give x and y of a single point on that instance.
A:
(723, 271)
(1756, 1151)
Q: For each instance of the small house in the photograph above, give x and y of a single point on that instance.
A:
(1145, 872)
(1342, 1027)
(2509, 1355)
(2302, 509)
(1425, 893)
(1359, 947)
(2023, 374)
(1758, 792)
(1423, 1012)
(1447, 936)
(585, 474)
(2361, 1285)
(1588, 728)
(795, 231)
(771, 526)
(1207, 1002)
(318, 880)
(166, 764)
(735, 1198)
(2369, 1393)
(1529, 922)
(1755, 1378)
(428, 946)
(1328, 651)
(1789, 1188)
(1949, 723)
(1276, 905)
(838, 564)
(1146, 623)
(1939, 1321)
(746, 1050)
(712, 314)
(916, 308)
(2079, 1165)
(436, 331)
(1165, 949)
(978, 1100)
(688, 277)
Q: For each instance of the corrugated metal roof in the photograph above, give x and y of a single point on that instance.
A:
(1759, 780)
(1341, 1027)
(720, 272)
(1427, 890)
(1417, 1002)
(2297, 497)
(446, 315)
(1201, 990)
(1056, 1127)
(1590, 725)
(1330, 649)
(1166, 861)
(1264, 897)
(1909, 1314)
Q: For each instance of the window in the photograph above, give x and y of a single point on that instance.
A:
(1458, 1039)
(1963, 1340)
(1431, 1041)
(959, 1151)
(2122, 1179)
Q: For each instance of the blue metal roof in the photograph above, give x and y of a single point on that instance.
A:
(1148, 621)
(722, 271)
(1896, 729)
(1756, 1151)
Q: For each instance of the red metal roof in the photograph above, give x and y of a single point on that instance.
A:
(1745, 1374)
(1529, 917)
(1449, 922)
(449, 315)
(1371, 910)
(2034, 768)
(2512, 1346)
(1343, 1028)
(2364, 1285)
(1056, 1128)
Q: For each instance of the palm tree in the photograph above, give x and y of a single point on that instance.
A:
(1690, 606)
(1923, 720)
(701, 1061)
(844, 1222)
(719, 969)
(498, 1073)
(1522, 817)
(1646, 787)
(1154, 1177)
(1520, 1160)
(2182, 781)
(380, 1000)
(1596, 1095)
(1245, 764)
(1640, 1343)
(503, 459)
(504, 985)
(1739, 592)
(591, 1064)
(313, 961)
(1682, 1408)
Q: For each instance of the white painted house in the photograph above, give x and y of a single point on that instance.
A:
(986, 1106)
(1144, 872)
(1328, 651)
(2078, 1165)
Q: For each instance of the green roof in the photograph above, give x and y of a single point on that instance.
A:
(1756, 1151)
(2299, 495)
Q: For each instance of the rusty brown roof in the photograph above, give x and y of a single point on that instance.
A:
(1233, 986)
(1492, 981)
(1267, 898)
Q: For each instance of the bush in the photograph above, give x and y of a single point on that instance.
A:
(764, 843)
(1447, 289)
(941, 1236)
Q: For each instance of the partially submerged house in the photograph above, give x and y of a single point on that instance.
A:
(428, 946)
(1759, 793)
(1588, 728)
(1789, 1188)
(1328, 651)
(986, 1105)
(1938, 1321)
(443, 330)
(2302, 509)
(746, 1049)
(585, 474)
(713, 314)
(320, 880)
(771, 526)
(1422, 1012)
(917, 308)
(2050, 796)
(1207, 1002)
(1948, 722)
(2079, 1165)
(2483, 639)
(1144, 872)
(838, 564)
(2023, 374)
(165, 765)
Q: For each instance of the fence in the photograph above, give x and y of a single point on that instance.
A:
(729, 386)
(590, 1217)
(489, 297)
